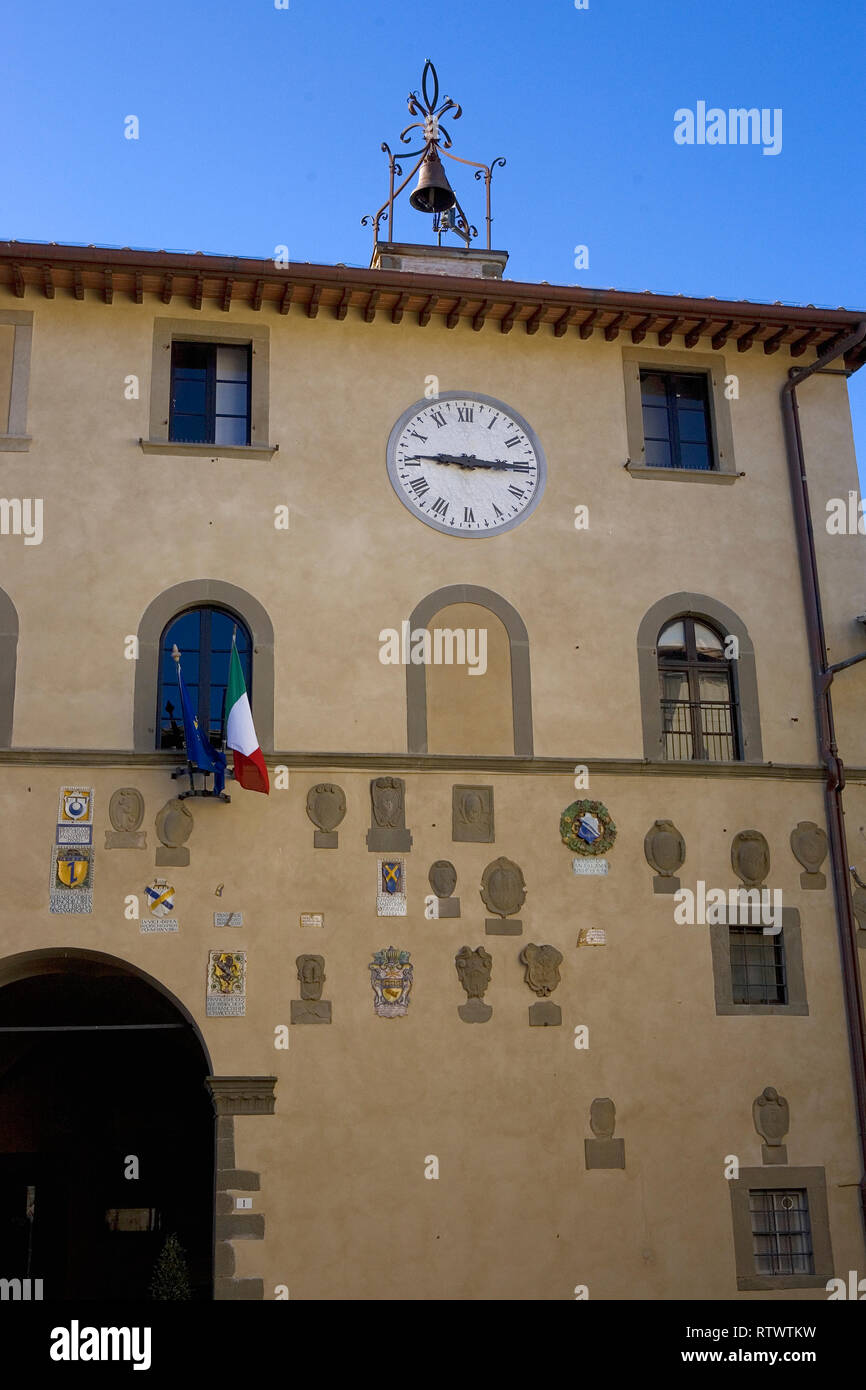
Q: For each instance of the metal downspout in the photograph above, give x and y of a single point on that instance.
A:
(822, 677)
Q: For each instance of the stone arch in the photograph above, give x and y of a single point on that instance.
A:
(8, 664)
(745, 683)
(167, 605)
(518, 641)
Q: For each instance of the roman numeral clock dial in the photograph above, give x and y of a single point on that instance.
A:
(466, 464)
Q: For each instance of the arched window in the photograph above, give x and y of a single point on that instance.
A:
(698, 693)
(204, 639)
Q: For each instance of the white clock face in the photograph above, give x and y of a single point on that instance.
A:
(466, 464)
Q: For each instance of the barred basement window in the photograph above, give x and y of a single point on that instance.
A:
(758, 974)
(781, 1232)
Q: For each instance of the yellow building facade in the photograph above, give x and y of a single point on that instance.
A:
(625, 1122)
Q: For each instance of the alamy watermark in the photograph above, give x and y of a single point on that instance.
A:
(713, 907)
(736, 126)
(444, 646)
(22, 516)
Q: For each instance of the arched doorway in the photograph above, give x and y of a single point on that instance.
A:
(101, 1077)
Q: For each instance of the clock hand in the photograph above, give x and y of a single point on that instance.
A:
(464, 461)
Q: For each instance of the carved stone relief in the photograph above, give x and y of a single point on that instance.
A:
(174, 825)
(473, 972)
(809, 845)
(388, 823)
(126, 812)
(772, 1121)
(665, 851)
(603, 1151)
(503, 891)
(326, 807)
(311, 1007)
(541, 973)
(472, 814)
(442, 877)
(750, 858)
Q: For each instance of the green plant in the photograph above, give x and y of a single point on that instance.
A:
(170, 1273)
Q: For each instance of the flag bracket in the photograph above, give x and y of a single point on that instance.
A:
(189, 771)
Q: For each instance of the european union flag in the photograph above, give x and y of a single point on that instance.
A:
(199, 750)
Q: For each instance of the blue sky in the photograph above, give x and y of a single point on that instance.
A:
(261, 127)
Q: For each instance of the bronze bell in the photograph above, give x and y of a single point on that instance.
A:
(433, 192)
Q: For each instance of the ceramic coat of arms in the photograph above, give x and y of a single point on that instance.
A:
(391, 978)
(586, 827)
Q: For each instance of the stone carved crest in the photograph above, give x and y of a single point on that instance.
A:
(750, 858)
(391, 977)
(602, 1117)
(665, 851)
(541, 965)
(387, 794)
(442, 878)
(473, 972)
(541, 972)
(126, 812)
(503, 887)
(586, 827)
(174, 825)
(603, 1151)
(326, 805)
(388, 827)
(771, 1116)
(472, 814)
(311, 1007)
(311, 974)
(809, 846)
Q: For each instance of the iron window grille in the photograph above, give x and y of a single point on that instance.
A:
(698, 694)
(204, 639)
(758, 973)
(210, 393)
(781, 1231)
(677, 420)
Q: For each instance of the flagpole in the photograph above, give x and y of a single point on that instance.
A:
(175, 656)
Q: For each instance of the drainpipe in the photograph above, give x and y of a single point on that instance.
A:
(822, 677)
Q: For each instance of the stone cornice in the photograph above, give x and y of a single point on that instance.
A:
(110, 274)
(437, 762)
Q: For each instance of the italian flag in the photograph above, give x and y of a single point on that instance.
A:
(250, 768)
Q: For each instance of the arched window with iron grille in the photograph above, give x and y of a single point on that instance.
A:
(698, 692)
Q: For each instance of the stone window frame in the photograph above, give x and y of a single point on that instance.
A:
(194, 593)
(170, 330)
(518, 644)
(814, 1181)
(710, 365)
(13, 435)
(743, 674)
(797, 1005)
(8, 666)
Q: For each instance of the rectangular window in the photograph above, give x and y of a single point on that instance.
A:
(757, 966)
(210, 393)
(781, 1232)
(676, 420)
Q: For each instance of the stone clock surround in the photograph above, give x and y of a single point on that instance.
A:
(518, 642)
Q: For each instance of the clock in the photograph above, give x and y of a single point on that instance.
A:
(466, 464)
